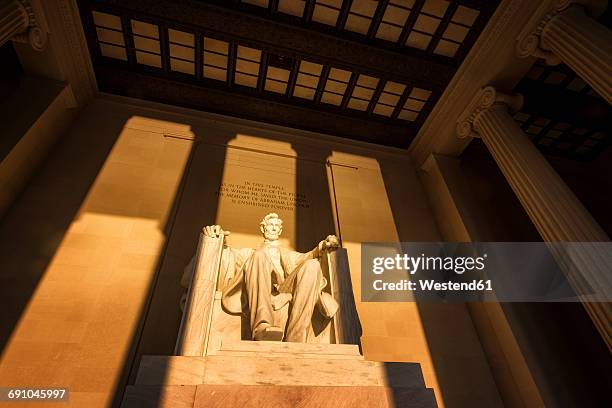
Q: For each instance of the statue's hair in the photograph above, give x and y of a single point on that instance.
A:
(269, 217)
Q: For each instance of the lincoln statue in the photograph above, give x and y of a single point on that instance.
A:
(259, 281)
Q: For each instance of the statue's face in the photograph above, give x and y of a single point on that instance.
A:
(272, 229)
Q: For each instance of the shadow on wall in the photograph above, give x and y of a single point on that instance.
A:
(311, 175)
(162, 316)
(34, 226)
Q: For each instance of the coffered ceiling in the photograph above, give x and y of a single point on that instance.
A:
(365, 70)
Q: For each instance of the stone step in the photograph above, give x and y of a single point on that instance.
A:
(258, 396)
(226, 370)
(256, 370)
(320, 349)
(310, 371)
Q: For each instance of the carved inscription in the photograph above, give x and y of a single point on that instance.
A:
(265, 195)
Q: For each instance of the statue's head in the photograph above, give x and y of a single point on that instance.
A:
(271, 227)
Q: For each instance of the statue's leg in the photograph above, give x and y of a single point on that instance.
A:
(305, 295)
(258, 280)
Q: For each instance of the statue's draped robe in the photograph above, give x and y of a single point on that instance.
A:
(262, 274)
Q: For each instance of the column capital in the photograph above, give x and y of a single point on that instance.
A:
(529, 41)
(484, 99)
(34, 33)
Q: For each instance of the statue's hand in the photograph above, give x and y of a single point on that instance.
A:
(214, 231)
(331, 242)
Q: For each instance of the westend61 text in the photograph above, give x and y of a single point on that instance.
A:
(432, 285)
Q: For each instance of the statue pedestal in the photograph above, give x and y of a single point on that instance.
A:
(262, 374)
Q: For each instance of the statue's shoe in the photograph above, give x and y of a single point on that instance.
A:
(268, 333)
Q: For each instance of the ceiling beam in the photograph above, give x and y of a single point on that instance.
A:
(128, 39)
(292, 78)
(273, 6)
(126, 82)
(164, 45)
(349, 90)
(401, 102)
(448, 14)
(344, 12)
(231, 63)
(409, 24)
(308, 11)
(321, 84)
(263, 68)
(375, 96)
(199, 56)
(292, 41)
(377, 18)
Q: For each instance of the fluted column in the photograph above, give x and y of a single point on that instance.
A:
(584, 45)
(551, 205)
(13, 19)
(18, 23)
(570, 34)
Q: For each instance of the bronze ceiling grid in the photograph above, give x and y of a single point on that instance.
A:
(130, 41)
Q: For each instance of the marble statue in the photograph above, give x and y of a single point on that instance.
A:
(269, 277)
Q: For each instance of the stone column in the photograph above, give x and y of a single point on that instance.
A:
(570, 34)
(551, 205)
(18, 23)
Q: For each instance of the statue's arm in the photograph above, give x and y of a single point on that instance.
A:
(298, 258)
(330, 242)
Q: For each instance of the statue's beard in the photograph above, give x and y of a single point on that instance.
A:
(271, 237)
